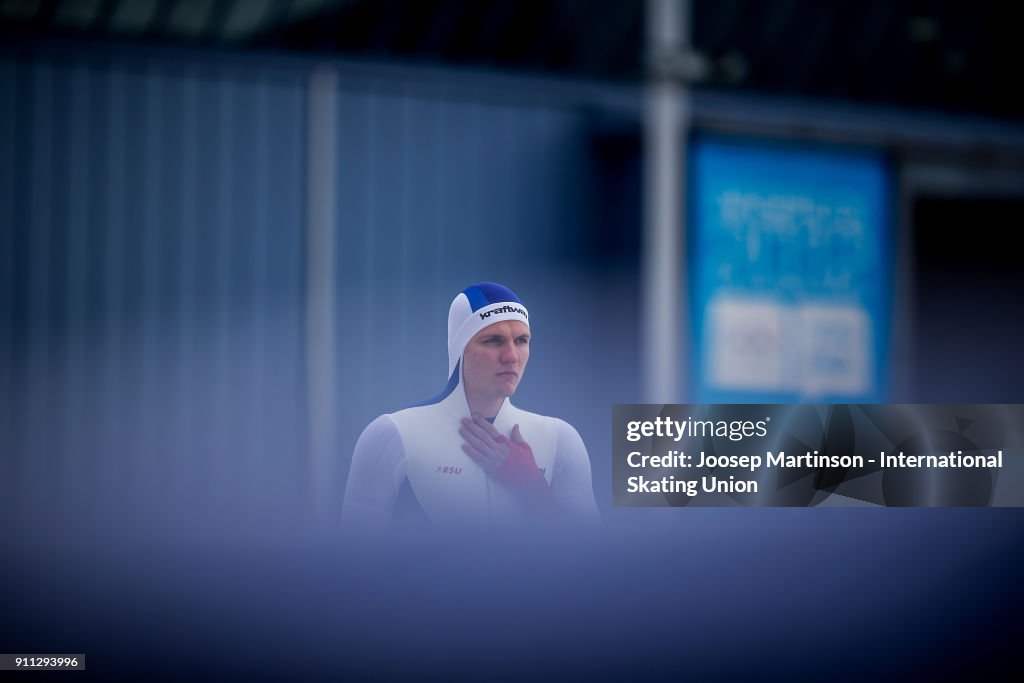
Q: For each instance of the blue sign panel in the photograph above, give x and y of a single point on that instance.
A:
(789, 273)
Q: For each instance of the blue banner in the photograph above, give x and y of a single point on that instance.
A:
(789, 272)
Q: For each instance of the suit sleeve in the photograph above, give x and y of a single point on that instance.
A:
(375, 477)
(572, 482)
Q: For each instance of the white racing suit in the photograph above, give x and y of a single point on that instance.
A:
(419, 451)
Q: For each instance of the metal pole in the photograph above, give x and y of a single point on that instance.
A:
(665, 321)
(320, 242)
